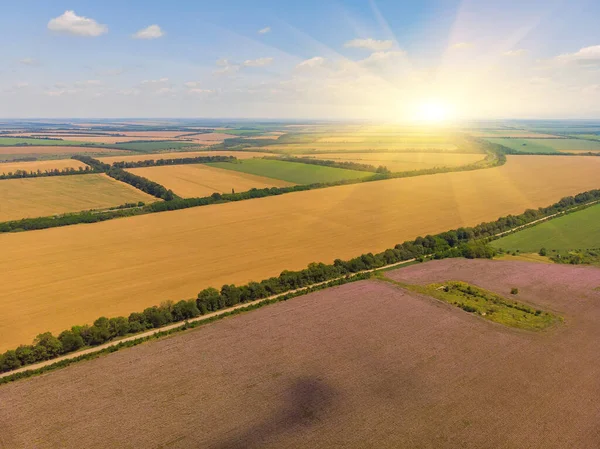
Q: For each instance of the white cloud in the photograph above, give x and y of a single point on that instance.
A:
(158, 82)
(260, 62)
(28, 61)
(151, 32)
(517, 52)
(129, 92)
(191, 84)
(88, 83)
(71, 23)
(264, 30)
(585, 56)
(369, 44)
(61, 92)
(382, 56)
(311, 63)
(21, 85)
(200, 91)
(461, 45)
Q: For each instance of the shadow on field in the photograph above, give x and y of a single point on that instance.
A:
(309, 400)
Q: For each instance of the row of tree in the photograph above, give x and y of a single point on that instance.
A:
(336, 164)
(174, 161)
(51, 172)
(139, 182)
(462, 242)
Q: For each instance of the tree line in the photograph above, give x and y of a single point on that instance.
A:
(469, 242)
(17, 174)
(174, 161)
(139, 182)
(333, 163)
(176, 203)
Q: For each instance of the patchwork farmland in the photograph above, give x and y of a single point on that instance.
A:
(400, 162)
(36, 197)
(400, 369)
(198, 180)
(234, 243)
(293, 172)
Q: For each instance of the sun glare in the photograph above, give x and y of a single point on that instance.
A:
(433, 112)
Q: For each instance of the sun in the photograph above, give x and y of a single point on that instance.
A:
(433, 112)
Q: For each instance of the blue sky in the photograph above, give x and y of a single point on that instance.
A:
(312, 59)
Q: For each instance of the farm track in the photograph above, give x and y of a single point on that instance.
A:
(183, 324)
(241, 306)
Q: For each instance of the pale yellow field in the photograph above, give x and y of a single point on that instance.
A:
(6, 167)
(210, 138)
(323, 147)
(398, 162)
(55, 278)
(39, 197)
(182, 154)
(515, 133)
(198, 180)
(51, 149)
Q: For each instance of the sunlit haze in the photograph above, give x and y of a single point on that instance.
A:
(387, 60)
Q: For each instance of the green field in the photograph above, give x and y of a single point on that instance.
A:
(578, 230)
(14, 141)
(526, 145)
(295, 172)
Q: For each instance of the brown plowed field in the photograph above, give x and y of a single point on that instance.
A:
(86, 271)
(366, 365)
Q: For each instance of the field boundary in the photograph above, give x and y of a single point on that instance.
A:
(464, 242)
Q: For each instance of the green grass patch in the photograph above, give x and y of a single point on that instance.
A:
(576, 230)
(547, 145)
(150, 147)
(486, 304)
(525, 145)
(22, 141)
(295, 172)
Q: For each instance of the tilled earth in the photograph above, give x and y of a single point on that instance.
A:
(365, 365)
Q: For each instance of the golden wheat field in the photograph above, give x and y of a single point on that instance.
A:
(182, 154)
(198, 180)
(55, 278)
(399, 162)
(39, 197)
(59, 164)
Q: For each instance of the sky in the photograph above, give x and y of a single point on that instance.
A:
(389, 60)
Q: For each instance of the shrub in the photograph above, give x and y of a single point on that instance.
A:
(514, 291)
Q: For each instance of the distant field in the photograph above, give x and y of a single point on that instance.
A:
(578, 230)
(588, 136)
(59, 164)
(38, 197)
(294, 172)
(182, 154)
(49, 152)
(574, 145)
(525, 145)
(210, 138)
(513, 133)
(363, 365)
(116, 273)
(13, 141)
(321, 147)
(198, 180)
(399, 162)
(149, 147)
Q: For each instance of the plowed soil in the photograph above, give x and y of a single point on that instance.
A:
(365, 365)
